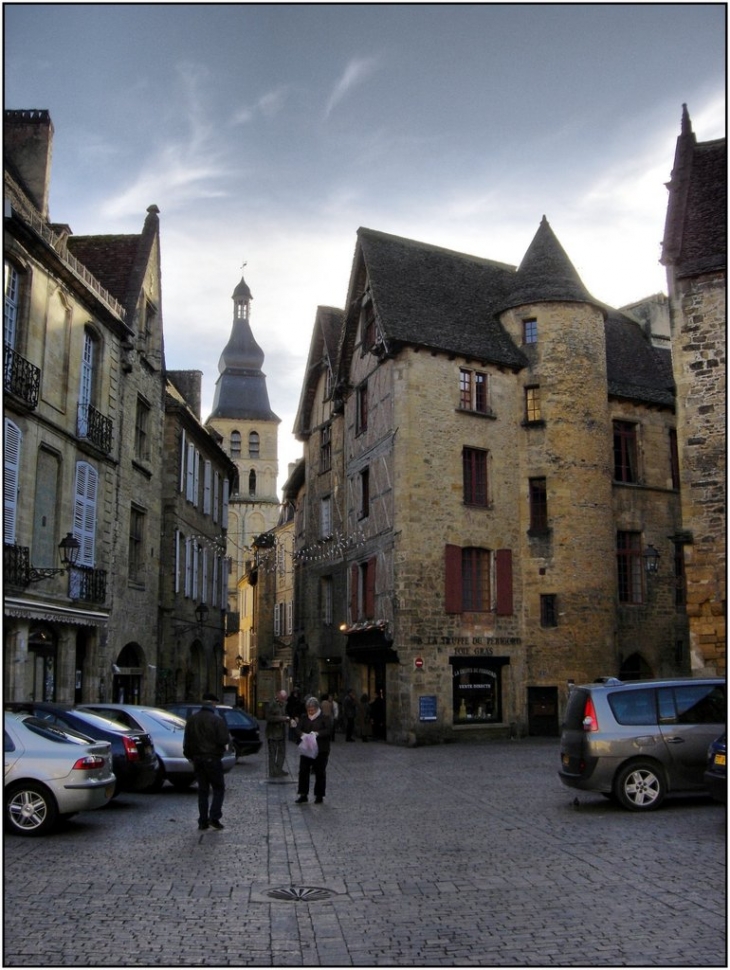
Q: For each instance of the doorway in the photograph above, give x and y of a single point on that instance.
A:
(542, 712)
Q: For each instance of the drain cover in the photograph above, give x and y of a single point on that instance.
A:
(306, 894)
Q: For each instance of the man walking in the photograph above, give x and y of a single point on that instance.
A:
(204, 743)
(276, 727)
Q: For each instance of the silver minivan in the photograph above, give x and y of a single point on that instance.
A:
(636, 741)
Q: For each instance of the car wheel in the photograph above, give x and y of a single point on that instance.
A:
(159, 780)
(30, 809)
(640, 786)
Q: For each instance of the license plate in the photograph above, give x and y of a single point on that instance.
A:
(719, 759)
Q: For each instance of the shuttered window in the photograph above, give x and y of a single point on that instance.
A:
(11, 471)
(85, 498)
(468, 580)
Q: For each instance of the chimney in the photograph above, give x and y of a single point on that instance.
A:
(27, 145)
(188, 382)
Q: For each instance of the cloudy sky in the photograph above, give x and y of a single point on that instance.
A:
(267, 134)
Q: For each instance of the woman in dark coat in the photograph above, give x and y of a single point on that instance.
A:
(313, 722)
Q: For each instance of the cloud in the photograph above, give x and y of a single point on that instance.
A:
(355, 73)
(268, 105)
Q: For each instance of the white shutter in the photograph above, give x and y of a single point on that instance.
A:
(289, 617)
(11, 480)
(176, 578)
(196, 567)
(204, 589)
(190, 478)
(207, 479)
(188, 565)
(85, 493)
(216, 495)
(277, 620)
(196, 479)
(224, 517)
(214, 590)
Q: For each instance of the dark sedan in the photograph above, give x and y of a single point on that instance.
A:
(134, 761)
(244, 729)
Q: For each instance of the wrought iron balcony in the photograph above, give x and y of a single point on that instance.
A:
(93, 426)
(85, 583)
(21, 378)
(16, 565)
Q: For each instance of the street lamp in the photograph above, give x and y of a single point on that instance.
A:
(201, 613)
(651, 560)
(68, 549)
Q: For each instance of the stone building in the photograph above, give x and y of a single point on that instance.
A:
(83, 382)
(196, 480)
(694, 252)
(248, 431)
(501, 513)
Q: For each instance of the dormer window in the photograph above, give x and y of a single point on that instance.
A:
(529, 331)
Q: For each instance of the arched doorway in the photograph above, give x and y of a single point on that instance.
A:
(195, 675)
(127, 680)
(635, 667)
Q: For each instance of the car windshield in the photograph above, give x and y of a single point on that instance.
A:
(236, 718)
(54, 732)
(98, 720)
(171, 722)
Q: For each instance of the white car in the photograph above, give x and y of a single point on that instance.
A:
(167, 731)
(51, 773)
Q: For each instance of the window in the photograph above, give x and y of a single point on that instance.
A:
(328, 381)
(538, 505)
(469, 574)
(326, 591)
(680, 587)
(12, 304)
(674, 458)
(252, 483)
(253, 444)
(475, 476)
(477, 690)
(473, 391)
(548, 609)
(636, 707)
(325, 517)
(85, 497)
(533, 411)
(367, 323)
(475, 580)
(628, 554)
(207, 487)
(149, 325)
(235, 444)
(364, 493)
(692, 704)
(362, 591)
(11, 471)
(529, 331)
(624, 452)
(361, 408)
(136, 545)
(45, 505)
(141, 430)
(87, 381)
(325, 449)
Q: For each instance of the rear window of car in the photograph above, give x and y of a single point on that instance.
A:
(167, 720)
(51, 732)
(634, 706)
(237, 719)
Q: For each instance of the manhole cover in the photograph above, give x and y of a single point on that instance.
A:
(306, 894)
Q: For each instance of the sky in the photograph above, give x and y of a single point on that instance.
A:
(267, 134)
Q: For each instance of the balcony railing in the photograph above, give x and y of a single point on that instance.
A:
(93, 426)
(84, 583)
(21, 378)
(87, 584)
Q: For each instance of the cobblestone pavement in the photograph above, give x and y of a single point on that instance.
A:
(455, 855)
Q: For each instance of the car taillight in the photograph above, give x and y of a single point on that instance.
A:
(590, 721)
(130, 749)
(88, 763)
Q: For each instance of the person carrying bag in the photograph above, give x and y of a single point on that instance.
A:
(313, 731)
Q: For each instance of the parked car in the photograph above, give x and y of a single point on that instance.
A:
(639, 740)
(244, 729)
(51, 773)
(716, 771)
(134, 761)
(167, 731)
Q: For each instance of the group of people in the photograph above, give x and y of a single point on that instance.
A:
(207, 737)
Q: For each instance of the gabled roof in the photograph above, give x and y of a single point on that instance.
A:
(695, 231)
(322, 353)
(435, 298)
(636, 370)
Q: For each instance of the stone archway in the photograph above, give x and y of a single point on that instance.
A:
(635, 667)
(128, 671)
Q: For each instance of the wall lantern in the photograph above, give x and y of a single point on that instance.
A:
(201, 613)
(68, 548)
(651, 560)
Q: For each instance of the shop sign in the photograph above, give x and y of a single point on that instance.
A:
(427, 707)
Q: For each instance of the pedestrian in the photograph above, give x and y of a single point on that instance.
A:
(364, 721)
(294, 709)
(328, 711)
(313, 722)
(204, 743)
(276, 722)
(349, 712)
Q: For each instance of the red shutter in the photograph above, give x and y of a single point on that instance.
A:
(504, 582)
(452, 568)
(370, 589)
(354, 584)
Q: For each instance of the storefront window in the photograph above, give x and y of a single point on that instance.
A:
(477, 693)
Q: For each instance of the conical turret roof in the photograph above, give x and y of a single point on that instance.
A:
(546, 275)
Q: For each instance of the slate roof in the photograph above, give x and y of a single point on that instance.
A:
(323, 345)
(439, 299)
(635, 369)
(695, 232)
(111, 259)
